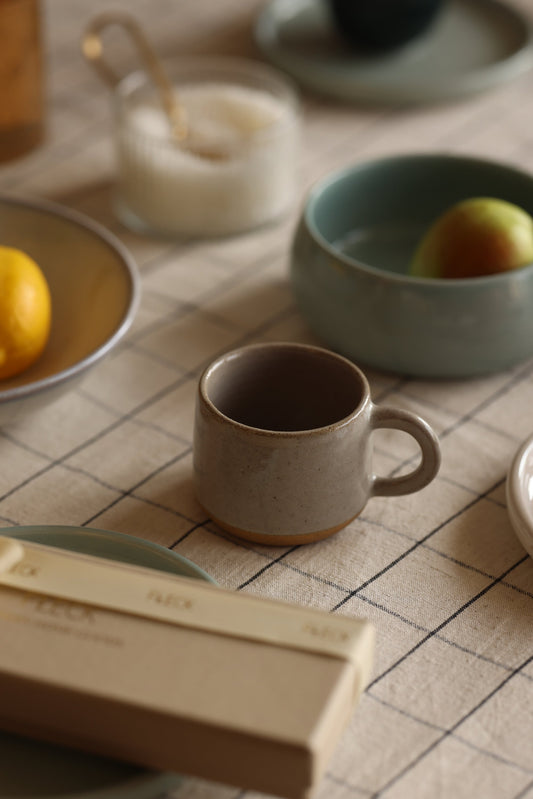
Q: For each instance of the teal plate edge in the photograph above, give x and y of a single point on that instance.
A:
(111, 545)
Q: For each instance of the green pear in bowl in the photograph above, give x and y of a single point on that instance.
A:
(476, 237)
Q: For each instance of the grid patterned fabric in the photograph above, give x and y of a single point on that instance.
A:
(449, 709)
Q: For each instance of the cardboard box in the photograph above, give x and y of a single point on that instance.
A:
(172, 673)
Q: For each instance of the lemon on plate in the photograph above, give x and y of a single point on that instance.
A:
(25, 311)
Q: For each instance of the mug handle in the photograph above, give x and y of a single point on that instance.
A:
(398, 419)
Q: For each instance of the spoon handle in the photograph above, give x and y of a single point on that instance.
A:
(93, 50)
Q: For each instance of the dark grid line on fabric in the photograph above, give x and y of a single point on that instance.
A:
(447, 731)
(391, 531)
(64, 151)
(251, 267)
(280, 561)
(495, 430)
(443, 435)
(265, 568)
(450, 618)
(422, 543)
(525, 791)
(10, 522)
(98, 402)
(23, 445)
(516, 378)
(191, 374)
(479, 422)
(146, 404)
(409, 622)
(493, 500)
(131, 492)
(162, 260)
(407, 552)
(184, 377)
(146, 501)
(140, 423)
(354, 789)
(197, 526)
(151, 425)
(121, 418)
(132, 413)
(180, 381)
(459, 129)
(452, 729)
(442, 638)
(389, 391)
(61, 462)
(465, 418)
(179, 310)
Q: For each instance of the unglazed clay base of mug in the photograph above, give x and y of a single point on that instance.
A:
(280, 540)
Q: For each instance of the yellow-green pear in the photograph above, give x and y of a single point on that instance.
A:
(478, 236)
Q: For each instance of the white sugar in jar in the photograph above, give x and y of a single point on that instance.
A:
(240, 172)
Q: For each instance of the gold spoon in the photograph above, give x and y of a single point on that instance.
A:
(93, 50)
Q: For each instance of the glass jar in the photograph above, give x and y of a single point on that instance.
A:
(248, 117)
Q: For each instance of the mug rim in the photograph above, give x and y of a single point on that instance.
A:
(338, 424)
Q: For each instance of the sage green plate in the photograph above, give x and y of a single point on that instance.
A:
(95, 289)
(35, 770)
(519, 490)
(473, 45)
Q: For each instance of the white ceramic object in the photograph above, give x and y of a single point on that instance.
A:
(241, 112)
(95, 291)
(519, 490)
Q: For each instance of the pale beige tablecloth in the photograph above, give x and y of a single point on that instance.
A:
(449, 710)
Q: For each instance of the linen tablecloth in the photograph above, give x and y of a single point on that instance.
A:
(449, 709)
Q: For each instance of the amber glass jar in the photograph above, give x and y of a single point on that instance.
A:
(21, 78)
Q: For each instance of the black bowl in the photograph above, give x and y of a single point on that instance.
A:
(381, 25)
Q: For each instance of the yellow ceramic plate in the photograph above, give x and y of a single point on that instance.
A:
(95, 291)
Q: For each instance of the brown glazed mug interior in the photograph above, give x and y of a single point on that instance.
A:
(287, 389)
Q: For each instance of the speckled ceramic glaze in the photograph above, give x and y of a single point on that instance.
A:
(282, 449)
(350, 256)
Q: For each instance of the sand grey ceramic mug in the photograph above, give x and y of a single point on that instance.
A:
(282, 443)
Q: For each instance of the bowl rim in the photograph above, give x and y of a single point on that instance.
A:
(100, 232)
(438, 284)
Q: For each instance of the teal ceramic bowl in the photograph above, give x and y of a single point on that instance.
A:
(350, 256)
